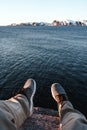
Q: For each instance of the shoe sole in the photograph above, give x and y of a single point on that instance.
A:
(31, 99)
(52, 94)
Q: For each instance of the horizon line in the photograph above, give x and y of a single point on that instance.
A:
(39, 21)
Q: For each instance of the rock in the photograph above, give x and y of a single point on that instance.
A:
(42, 119)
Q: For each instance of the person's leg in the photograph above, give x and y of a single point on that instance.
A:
(16, 110)
(13, 112)
(71, 119)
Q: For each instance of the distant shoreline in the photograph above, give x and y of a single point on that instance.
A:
(54, 23)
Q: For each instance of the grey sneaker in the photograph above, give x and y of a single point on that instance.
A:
(29, 90)
(58, 93)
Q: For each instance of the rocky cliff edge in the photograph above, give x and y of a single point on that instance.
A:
(42, 119)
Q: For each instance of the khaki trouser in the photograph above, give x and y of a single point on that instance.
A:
(71, 119)
(13, 112)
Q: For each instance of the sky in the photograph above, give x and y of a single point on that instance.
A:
(18, 11)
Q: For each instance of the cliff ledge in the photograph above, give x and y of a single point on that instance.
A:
(42, 119)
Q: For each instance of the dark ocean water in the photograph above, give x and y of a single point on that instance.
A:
(47, 54)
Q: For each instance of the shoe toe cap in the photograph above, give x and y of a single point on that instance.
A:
(57, 89)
